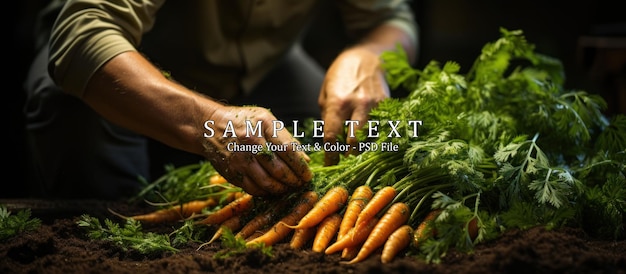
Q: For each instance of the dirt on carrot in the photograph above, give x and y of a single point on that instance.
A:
(238, 206)
(301, 237)
(281, 229)
(331, 202)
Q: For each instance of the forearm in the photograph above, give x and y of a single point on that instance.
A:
(387, 37)
(132, 93)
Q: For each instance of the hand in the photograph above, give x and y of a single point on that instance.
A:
(354, 84)
(264, 173)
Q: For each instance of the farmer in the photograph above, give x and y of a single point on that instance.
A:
(115, 75)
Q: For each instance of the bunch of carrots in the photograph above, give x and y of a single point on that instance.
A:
(357, 221)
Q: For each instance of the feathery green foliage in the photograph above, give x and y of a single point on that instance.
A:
(14, 224)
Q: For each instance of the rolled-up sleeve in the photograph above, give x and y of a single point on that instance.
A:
(361, 16)
(87, 34)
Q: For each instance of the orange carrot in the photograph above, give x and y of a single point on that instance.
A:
(395, 217)
(235, 207)
(359, 199)
(353, 237)
(256, 223)
(425, 229)
(397, 241)
(256, 234)
(231, 196)
(350, 252)
(472, 228)
(301, 237)
(381, 199)
(330, 203)
(262, 220)
(173, 213)
(326, 232)
(233, 224)
(217, 179)
(282, 228)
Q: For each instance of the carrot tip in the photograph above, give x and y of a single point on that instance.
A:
(289, 226)
(119, 214)
(353, 261)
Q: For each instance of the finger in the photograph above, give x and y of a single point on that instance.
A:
(301, 153)
(361, 115)
(277, 168)
(331, 135)
(298, 164)
(259, 176)
(333, 129)
(250, 187)
(290, 161)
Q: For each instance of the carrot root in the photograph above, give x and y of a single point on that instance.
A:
(172, 213)
(233, 224)
(360, 197)
(301, 237)
(326, 232)
(329, 203)
(397, 241)
(280, 230)
(353, 237)
(380, 199)
(424, 229)
(235, 207)
(395, 217)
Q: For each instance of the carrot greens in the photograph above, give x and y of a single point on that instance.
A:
(127, 236)
(14, 224)
(505, 141)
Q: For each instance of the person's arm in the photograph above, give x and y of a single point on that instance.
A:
(93, 57)
(355, 83)
(131, 92)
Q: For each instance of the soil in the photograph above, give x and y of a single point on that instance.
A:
(60, 246)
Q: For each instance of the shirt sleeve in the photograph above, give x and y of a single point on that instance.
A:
(88, 33)
(361, 16)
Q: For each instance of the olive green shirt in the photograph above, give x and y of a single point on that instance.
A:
(218, 47)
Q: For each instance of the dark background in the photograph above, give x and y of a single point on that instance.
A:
(451, 30)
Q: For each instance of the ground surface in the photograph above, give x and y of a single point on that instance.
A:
(60, 246)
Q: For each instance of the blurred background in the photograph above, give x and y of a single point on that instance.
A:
(589, 37)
